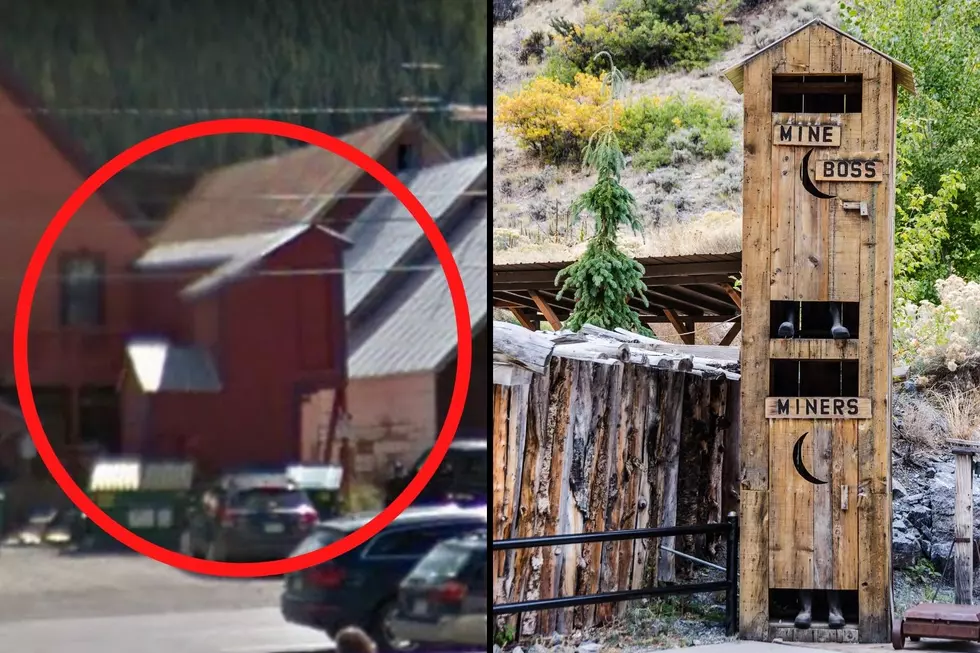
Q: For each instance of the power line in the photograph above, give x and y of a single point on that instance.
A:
(310, 272)
(225, 112)
(190, 197)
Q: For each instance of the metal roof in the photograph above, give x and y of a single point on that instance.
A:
(420, 334)
(248, 260)
(903, 72)
(385, 233)
(259, 194)
(690, 285)
(161, 366)
(209, 252)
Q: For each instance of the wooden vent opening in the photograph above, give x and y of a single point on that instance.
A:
(816, 93)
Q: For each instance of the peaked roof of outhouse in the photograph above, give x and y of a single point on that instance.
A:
(903, 73)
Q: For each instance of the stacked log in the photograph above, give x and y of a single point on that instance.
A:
(615, 434)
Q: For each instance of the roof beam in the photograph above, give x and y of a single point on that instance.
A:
(686, 337)
(702, 300)
(518, 313)
(653, 271)
(546, 310)
(655, 281)
(673, 303)
(734, 294)
(730, 336)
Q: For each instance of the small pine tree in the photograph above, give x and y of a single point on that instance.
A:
(604, 279)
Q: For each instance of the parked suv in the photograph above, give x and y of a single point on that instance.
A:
(246, 517)
(360, 588)
(462, 477)
(443, 600)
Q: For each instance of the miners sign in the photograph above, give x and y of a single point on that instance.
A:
(807, 135)
(850, 170)
(818, 407)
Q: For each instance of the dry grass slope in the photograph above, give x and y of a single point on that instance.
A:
(692, 208)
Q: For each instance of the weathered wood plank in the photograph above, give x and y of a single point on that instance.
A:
(797, 55)
(874, 567)
(730, 469)
(791, 507)
(558, 406)
(825, 51)
(811, 236)
(756, 296)
(844, 504)
(607, 382)
(501, 398)
(516, 431)
(818, 632)
(753, 588)
(785, 164)
(531, 517)
(824, 560)
(648, 426)
(529, 349)
(813, 349)
(669, 460)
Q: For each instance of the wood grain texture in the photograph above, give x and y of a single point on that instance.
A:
(790, 507)
(785, 165)
(756, 296)
(596, 453)
(817, 632)
(811, 233)
(845, 517)
(813, 349)
(753, 572)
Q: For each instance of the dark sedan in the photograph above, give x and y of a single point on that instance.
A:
(360, 588)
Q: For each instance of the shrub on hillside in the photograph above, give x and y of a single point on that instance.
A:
(646, 35)
(928, 337)
(555, 120)
(504, 10)
(675, 130)
(533, 47)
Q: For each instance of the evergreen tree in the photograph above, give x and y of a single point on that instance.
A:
(604, 279)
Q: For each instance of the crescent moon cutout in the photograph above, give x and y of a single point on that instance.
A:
(807, 182)
(798, 462)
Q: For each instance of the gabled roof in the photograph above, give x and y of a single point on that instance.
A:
(420, 334)
(231, 257)
(262, 194)
(903, 73)
(112, 192)
(385, 234)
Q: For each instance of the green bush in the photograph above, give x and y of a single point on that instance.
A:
(647, 35)
(675, 130)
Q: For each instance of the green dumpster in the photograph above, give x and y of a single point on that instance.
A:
(149, 498)
(322, 484)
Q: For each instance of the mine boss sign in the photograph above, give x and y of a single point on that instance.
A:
(850, 170)
(818, 407)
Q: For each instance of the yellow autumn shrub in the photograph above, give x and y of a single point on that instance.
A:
(555, 120)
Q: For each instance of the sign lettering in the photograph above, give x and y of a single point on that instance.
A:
(818, 407)
(809, 135)
(850, 170)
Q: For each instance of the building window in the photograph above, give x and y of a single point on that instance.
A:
(81, 291)
(407, 157)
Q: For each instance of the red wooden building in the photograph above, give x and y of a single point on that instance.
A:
(206, 336)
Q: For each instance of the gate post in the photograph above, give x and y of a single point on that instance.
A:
(818, 213)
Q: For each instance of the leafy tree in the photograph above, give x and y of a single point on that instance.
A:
(938, 186)
(604, 279)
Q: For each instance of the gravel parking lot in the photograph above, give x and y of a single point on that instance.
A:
(38, 583)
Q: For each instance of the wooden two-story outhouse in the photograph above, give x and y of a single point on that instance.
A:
(818, 214)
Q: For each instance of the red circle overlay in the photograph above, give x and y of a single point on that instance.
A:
(74, 203)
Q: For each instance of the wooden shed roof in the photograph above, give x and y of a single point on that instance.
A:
(903, 73)
(697, 286)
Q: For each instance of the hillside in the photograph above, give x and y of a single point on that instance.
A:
(119, 71)
(687, 207)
